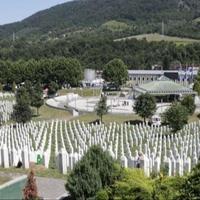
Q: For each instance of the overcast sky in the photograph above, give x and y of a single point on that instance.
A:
(16, 10)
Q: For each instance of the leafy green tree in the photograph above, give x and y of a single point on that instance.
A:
(115, 71)
(21, 110)
(188, 102)
(102, 108)
(22, 95)
(167, 188)
(166, 63)
(176, 116)
(53, 88)
(83, 182)
(37, 97)
(196, 87)
(133, 186)
(95, 171)
(102, 195)
(145, 105)
(190, 188)
(68, 70)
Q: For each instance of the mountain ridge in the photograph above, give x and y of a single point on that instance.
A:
(143, 16)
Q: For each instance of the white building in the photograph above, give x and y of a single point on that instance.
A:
(143, 76)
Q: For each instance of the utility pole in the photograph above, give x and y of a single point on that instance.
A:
(163, 28)
(13, 36)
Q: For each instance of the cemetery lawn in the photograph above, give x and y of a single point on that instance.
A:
(193, 118)
(40, 171)
(119, 118)
(85, 92)
(48, 113)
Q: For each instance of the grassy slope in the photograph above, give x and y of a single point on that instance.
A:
(119, 118)
(114, 25)
(4, 179)
(48, 113)
(157, 37)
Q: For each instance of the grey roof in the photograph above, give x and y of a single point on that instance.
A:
(159, 72)
(163, 86)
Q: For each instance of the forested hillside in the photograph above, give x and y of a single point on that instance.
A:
(95, 52)
(144, 16)
(86, 30)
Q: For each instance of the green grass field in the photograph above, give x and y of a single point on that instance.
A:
(48, 113)
(114, 25)
(84, 92)
(157, 38)
(40, 171)
(119, 118)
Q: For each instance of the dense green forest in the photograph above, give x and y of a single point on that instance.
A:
(95, 52)
(181, 18)
(86, 29)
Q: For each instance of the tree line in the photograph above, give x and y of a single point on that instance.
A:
(59, 70)
(94, 51)
(97, 176)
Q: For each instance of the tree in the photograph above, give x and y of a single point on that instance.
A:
(188, 102)
(22, 95)
(30, 190)
(196, 87)
(68, 70)
(133, 186)
(102, 108)
(1, 87)
(116, 72)
(145, 105)
(190, 187)
(95, 171)
(53, 88)
(176, 116)
(14, 87)
(167, 188)
(102, 195)
(21, 110)
(83, 182)
(37, 98)
(166, 63)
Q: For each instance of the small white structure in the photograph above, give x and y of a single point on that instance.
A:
(156, 120)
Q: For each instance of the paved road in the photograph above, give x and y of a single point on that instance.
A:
(50, 188)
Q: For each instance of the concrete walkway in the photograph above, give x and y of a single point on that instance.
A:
(49, 188)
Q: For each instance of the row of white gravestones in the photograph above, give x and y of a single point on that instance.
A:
(15, 138)
(66, 162)
(11, 158)
(6, 95)
(6, 109)
(151, 148)
(6, 106)
(151, 162)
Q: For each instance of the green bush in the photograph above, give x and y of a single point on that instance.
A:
(102, 195)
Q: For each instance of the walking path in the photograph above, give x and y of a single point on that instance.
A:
(50, 188)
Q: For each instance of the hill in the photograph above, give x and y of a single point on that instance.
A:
(144, 16)
(158, 37)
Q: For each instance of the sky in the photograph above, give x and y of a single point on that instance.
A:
(16, 10)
